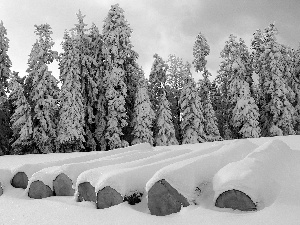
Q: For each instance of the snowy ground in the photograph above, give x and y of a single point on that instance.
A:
(267, 169)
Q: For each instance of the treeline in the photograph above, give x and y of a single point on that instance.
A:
(105, 101)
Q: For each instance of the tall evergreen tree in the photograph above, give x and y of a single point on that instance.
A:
(70, 130)
(192, 120)
(89, 70)
(44, 91)
(100, 103)
(174, 84)
(272, 64)
(157, 81)
(296, 87)
(246, 114)
(143, 115)
(21, 121)
(5, 65)
(117, 50)
(201, 50)
(166, 132)
(235, 70)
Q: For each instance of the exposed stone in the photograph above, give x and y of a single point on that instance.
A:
(235, 199)
(39, 190)
(1, 189)
(133, 198)
(20, 180)
(62, 185)
(108, 197)
(164, 200)
(86, 192)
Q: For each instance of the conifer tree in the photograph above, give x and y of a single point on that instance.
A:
(70, 130)
(21, 119)
(174, 84)
(166, 132)
(235, 71)
(296, 87)
(192, 120)
(272, 66)
(100, 105)
(85, 41)
(246, 114)
(5, 65)
(157, 81)
(143, 115)
(201, 50)
(44, 91)
(117, 50)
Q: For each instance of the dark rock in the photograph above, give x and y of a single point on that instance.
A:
(86, 192)
(62, 185)
(20, 180)
(1, 189)
(235, 199)
(108, 197)
(164, 200)
(133, 198)
(39, 190)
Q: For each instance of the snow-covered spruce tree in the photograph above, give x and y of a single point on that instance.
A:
(84, 41)
(166, 133)
(22, 126)
(143, 115)
(192, 121)
(210, 120)
(235, 70)
(97, 74)
(272, 66)
(5, 65)
(296, 87)
(157, 81)
(117, 50)
(246, 114)
(44, 91)
(201, 50)
(70, 129)
(174, 84)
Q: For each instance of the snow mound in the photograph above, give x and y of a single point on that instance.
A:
(30, 169)
(260, 174)
(73, 170)
(189, 175)
(134, 179)
(94, 175)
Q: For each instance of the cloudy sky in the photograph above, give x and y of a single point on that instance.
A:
(159, 26)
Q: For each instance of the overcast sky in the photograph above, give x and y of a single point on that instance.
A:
(159, 26)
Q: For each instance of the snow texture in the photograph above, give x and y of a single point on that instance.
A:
(134, 179)
(32, 168)
(260, 175)
(201, 169)
(274, 161)
(73, 170)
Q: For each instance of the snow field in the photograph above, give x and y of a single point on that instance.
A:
(260, 174)
(134, 179)
(30, 169)
(188, 175)
(73, 170)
